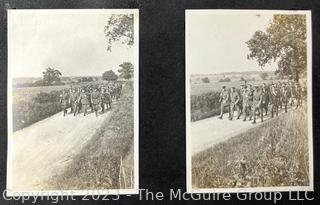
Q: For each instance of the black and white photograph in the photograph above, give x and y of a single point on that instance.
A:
(73, 101)
(248, 100)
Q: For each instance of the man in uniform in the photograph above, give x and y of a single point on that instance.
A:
(275, 97)
(234, 103)
(96, 100)
(265, 94)
(224, 100)
(256, 106)
(84, 99)
(245, 103)
(105, 100)
(285, 96)
(64, 100)
(250, 100)
(240, 103)
(73, 100)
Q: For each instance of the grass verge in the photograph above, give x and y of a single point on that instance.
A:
(272, 154)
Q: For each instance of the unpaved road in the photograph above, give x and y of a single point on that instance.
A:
(42, 150)
(208, 132)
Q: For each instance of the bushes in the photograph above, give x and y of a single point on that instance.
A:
(204, 105)
(225, 79)
(272, 154)
(205, 80)
(27, 112)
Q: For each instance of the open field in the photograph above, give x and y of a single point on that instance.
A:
(106, 161)
(200, 88)
(273, 154)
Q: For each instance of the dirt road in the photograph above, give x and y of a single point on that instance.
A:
(208, 132)
(43, 149)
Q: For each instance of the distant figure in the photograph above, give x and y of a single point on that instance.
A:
(105, 100)
(256, 106)
(275, 98)
(96, 100)
(234, 103)
(265, 99)
(224, 100)
(73, 100)
(84, 99)
(250, 101)
(64, 99)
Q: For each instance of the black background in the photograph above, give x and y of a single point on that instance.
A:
(162, 153)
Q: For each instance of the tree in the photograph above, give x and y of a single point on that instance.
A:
(109, 75)
(205, 80)
(126, 70)
(119, 28)
(51, 76)
(283, 41)
(225, 79)
(263, 76)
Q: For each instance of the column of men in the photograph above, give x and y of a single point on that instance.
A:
(91, 96)
(252, 101)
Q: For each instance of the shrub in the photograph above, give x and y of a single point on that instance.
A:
(205, 80)
(225, 79)
(27, 112)
(204, 105)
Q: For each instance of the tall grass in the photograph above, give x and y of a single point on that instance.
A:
(106, 162)
(272, 154)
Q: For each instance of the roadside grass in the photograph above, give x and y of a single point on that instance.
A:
(106, 161)
(272, 154)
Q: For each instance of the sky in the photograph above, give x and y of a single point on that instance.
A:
(216, 42)
(71, 42)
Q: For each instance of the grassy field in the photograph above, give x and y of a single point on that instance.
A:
(106, 162)
(273, 154)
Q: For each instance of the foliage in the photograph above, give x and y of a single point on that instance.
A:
(225, 79)
(204, 105)
(272, 154)
(99, 163)
(27, 111)
(126, 70)
(51, 76)
(283, 41)
(205, 80)
(119, 28)
(85, 79)
(109, 75)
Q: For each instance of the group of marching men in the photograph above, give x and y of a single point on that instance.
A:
(251, 101)
(90, 96)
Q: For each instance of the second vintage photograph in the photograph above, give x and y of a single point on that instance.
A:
(248, 100)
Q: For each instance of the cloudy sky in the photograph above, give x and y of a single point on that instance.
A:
(70, 41)
(216, 42)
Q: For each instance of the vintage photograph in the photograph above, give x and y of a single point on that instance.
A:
(248, 101)
(73, 101)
